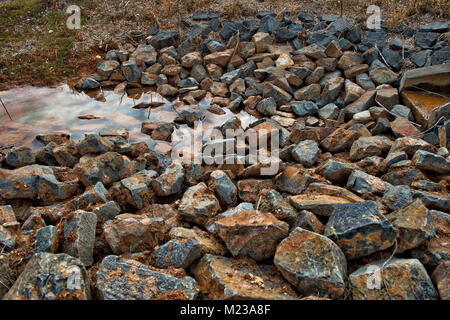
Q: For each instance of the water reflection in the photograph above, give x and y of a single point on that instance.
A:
(37, 110)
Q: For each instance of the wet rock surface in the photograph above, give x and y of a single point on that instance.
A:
(358, 143)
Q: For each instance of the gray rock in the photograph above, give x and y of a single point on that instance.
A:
(304, 108)
(177, 253)
(414, 223)
(397, 196)
(79, 236)
(94, 143)
(170, 182)
(420, 58)
(20, 157)
(312, 263)
(46, 240)
(441, 56)
(425, 40)
(113, 282)
(439, 27)
(365, 82)
(329, 112)
(164, 39)
(360, 229)
(131, 71)
(403, 279)
(106, 168)
(363, 183)
(371, 38)
(429, 161)
(336, 171)
(267, 106)
(306, 152)
(268, 24)
(393, 59)
(50, 276)
(403, 111)
(433, 201)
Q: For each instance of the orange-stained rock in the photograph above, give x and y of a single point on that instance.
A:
(340, 140)
(126, 279)
(251, 233)
(441, 278)
(134, 233)
(400, 279)
(312, 263)
(199, 204)
(414, 224)
(223, 278)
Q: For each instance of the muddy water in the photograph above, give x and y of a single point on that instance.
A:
(37, 110)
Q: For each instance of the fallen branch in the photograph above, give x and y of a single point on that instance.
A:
(6, 109)
(384, 264)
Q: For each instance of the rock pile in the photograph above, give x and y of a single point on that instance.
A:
(357, 181)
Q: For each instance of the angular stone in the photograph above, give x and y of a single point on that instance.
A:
(252, 233)
(20, 157)
(396, 279)
(274, 203)
(304, 108)
(306, 152)
(134, 233)
(177, 253)
(340, 140)
(208, 242)
(336, 171)
(429, 161)
(312, 263)
(362, 104)
(64, 278)
(171, 181)
(225, 278)
(397, 196)
(199, 204)
(362, 183)
(46, 240)
(126, 279)
(360, 229)
(380, 74)
(414, 224)
(441, 278)
(370, 146)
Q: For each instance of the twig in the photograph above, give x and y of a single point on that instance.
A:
(385, 62)
(395, 115)
(5, 285)
(6, 109)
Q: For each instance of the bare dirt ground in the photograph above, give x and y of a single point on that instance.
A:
(37, 48)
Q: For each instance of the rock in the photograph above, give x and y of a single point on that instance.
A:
(306, 152)
(441, 278)
(267, 106)
(223, 278)
(274, 203)
(158, 130)
(293, 180)
(365, 82)
(218, 58)
(129, 233)
(396, 279)
(420, 58)
(191, 59)
(164, 39)
(370, 146)
(352, 92)
(125, 279)
(362, 104)
(362, 183)
(5, 274)
(439, 27)
(252, 233)
(94, 143)
(46, 240)
(387, 97)
(79, 236)
(403, 112)
(429, 161)
(396, 197)
(177, 253)
(360, 229)
(371, 39)
(411, 145)
(312, 263)
(336, 171)
(208, 242)
(199, 204)
(380, 74)
(315, 76)
(425, 40)
(435, 250)
(35, 182)
(322, 38)
(261, 41)
(402, 127)
(414, 224)
(171, 181)
(393, 59)
(333, 50)
(58, 137)
(328, 112)
(350, 59)
(223, 187)
(64, 278)
(304, 108)
(440, 56)
(106, 168)
(436, 77)
(284, 34)
(309, 93)
(281, 96)
(106, 67)
(319, 204)
(340, 140)
(308, 221)
(20, 157)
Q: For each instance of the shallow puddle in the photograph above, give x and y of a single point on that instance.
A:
(37, 110)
